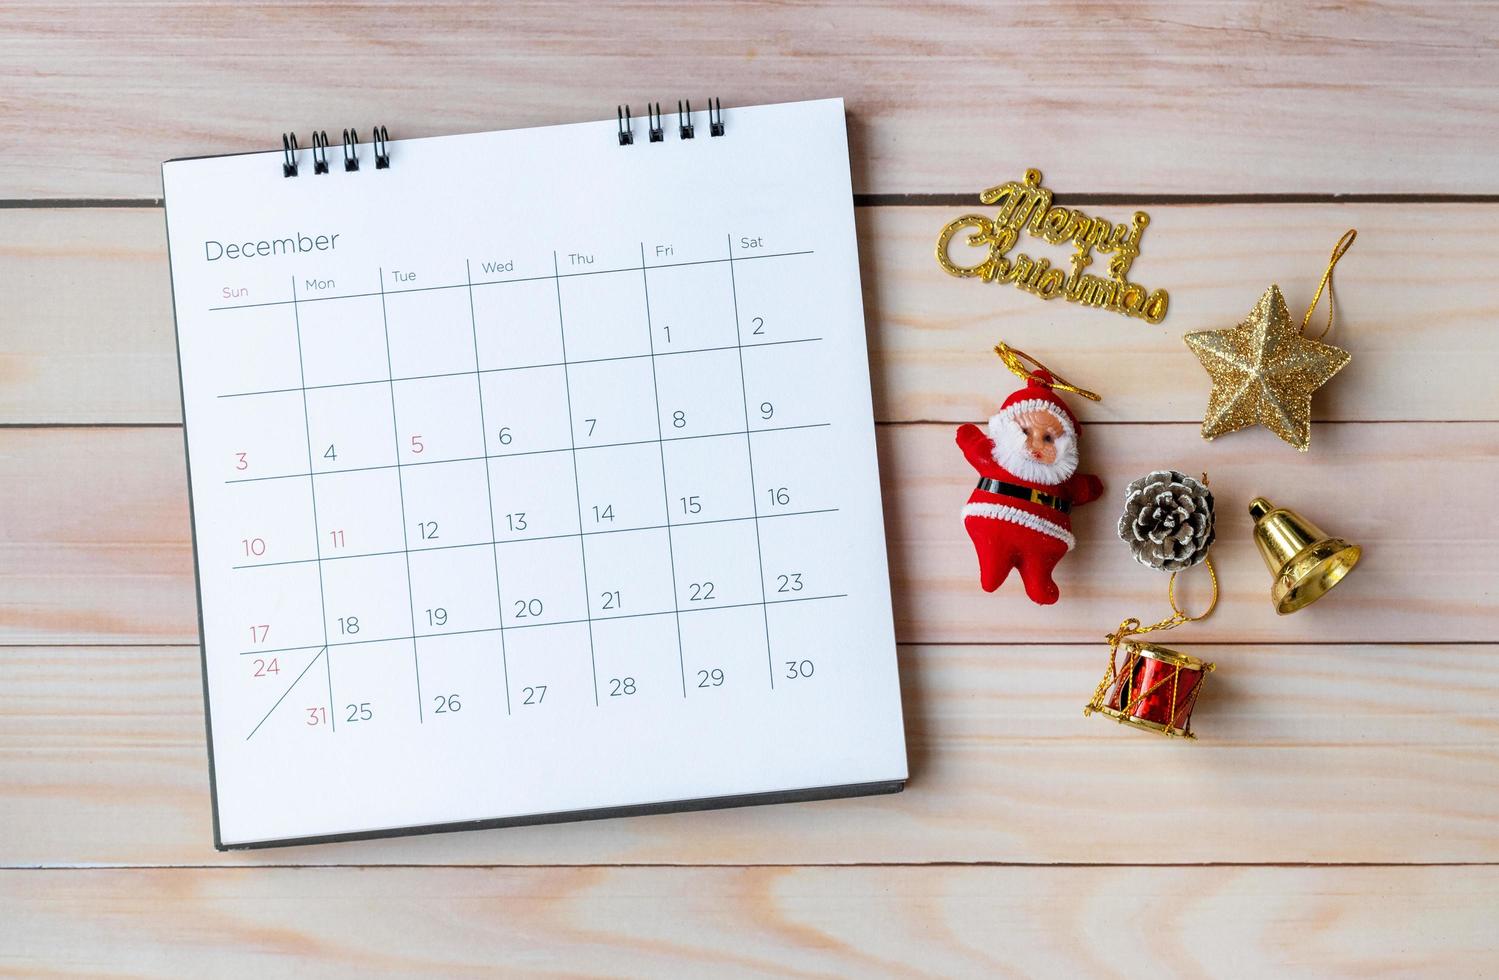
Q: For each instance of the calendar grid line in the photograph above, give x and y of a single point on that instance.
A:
(317, 532)
(499, 598)
(395, 432)
(750, 453)
(577, 489)
(322, 654)
(539, 537)
(531, 452)
(418, 637)
(504, 282)
(573, 449)
(645, 286)
(516, 367)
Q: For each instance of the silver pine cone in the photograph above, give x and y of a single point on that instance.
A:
(1168, 520)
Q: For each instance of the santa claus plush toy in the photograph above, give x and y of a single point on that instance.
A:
(1020, 514)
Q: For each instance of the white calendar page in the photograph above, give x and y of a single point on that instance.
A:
(533, 475)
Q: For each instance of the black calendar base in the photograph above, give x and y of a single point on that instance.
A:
(603, 813)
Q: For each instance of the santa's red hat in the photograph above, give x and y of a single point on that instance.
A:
(1038, 394)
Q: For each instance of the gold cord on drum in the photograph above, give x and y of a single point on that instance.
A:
(1132, 627)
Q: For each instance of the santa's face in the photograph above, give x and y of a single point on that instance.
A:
(1035, 445)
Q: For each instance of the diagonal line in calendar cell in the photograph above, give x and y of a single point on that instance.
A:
(650, 334)
(400, 487)
(499, 599)
(519, 367)
(322, 651)
(572, 438)
(556, 622)
(312, 500)
(749, 450)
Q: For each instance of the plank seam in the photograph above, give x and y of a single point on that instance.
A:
(670, 866)
(926, 199)
(1104, 423)
(891, 423)
(90, 425)
(66, 203)
(170, 645)
(1117, 199)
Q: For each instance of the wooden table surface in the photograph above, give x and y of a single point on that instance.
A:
(1337, 814)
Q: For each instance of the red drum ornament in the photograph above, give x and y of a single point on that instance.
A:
(1168, 523)
(1155, 688)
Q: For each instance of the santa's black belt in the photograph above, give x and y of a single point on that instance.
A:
(1024, 493)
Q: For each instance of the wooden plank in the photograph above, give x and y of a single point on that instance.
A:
(1358, 482)
(1303, 99)
(1417, 300)
(868, 922)
(94, 537)
(1327, 753)
(94, 544)
(88, 326)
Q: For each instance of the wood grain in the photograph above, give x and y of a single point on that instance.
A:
(1356, 482)
(1416, 304)
(1358, 731)
(774, 922)
(1156, 97)
(1327, 753)
(1417, 300)
(94, 542)
(88, 333)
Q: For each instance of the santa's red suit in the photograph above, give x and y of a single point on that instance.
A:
(1017, 522)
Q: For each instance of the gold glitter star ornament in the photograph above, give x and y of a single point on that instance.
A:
(1264, 370)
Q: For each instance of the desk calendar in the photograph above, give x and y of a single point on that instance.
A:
(533, 475)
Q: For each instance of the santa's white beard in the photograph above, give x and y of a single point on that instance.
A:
(1011, 452)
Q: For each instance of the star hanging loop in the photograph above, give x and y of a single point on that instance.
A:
(1264, 370)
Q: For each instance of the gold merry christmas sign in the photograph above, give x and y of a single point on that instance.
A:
(1026, 204)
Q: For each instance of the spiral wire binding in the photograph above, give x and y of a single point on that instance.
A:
(351, 150)
(382, 153)
(379, 138)
(657, 132)
(319, 151)
(290, 166)
(288, 154)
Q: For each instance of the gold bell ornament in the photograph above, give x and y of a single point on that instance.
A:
(1305, 560)
(1168, 524)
